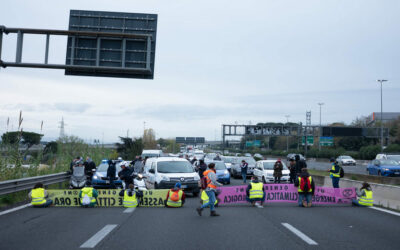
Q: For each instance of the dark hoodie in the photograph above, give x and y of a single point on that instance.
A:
(305, 175)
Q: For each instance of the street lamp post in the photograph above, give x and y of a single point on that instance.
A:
(287, 136)
(381, 81)
(319, 139)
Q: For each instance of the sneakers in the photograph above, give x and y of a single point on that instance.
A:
(304, 203)
(213, 213)
(199, 210)
(259, 205)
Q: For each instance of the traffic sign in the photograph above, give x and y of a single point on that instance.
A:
(326, 141)
(310, 140)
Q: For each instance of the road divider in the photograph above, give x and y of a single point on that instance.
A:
(99, 236)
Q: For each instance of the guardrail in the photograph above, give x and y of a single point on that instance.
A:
(12, 186)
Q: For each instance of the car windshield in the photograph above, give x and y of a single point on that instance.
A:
(269, 165)
(346, 157)
(174, 167)
(228, 159)
(219, 165)
(150, 155)
(389, 162)
(394, 157)
(104, 166)
(249, 160)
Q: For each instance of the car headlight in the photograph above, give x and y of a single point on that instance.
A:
(95, 177)
(385, 169)
(226, 172)
(164, 178)
(196, 177)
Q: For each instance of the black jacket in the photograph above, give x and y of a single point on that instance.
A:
(111, 170)
(300, 164)
(297, 183)
(126, 175)
(202, 168)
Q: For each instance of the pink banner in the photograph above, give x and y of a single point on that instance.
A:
(288, 193)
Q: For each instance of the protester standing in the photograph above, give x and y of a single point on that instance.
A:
(278, 168)
(306, 188)
(335, 173)
(211, 190)
(366, 197)
(111, 172)
(243, 167)
(38, 196)
(292, 168)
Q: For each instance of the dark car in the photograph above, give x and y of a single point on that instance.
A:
(384, 168)
(100, 179)
(293, 156)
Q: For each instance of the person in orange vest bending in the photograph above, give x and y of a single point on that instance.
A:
(175, 196)
(211, 189)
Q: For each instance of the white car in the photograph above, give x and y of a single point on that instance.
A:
(264, 170)
(165, 172)
(346, 160)
(394, 157)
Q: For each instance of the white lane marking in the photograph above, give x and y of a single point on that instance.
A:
(385, 210)
(92, 242)
(300, 234)
(15, 209)
(129, 210)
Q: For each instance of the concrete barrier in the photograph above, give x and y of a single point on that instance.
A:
(384, 195)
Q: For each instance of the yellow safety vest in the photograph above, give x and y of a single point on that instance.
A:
(172, 203)
(256, 191)
(309, 190)
(204, 198)
(335, 174)
(89, 192)
(38, 196)
(130, 201)
(366, 200)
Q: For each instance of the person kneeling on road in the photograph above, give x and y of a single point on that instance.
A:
(211, 189)
(306, 188)
(130, 196)
(255, 192)
(88, 196)
(38, 196)
(365, 194)
(175, 196)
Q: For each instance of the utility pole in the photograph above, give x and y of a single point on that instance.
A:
(320, 132)
(381, 81)
(287, 136)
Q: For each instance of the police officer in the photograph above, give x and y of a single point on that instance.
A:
(38, 195)
(130, 196)
(335, 173)
(366, 197)
(88, 196)
(255, 192)
(175, 196)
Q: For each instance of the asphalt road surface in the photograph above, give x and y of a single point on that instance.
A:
(276, 226)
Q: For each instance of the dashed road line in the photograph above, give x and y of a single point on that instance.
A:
(386, 211)
(99, 236)
(15, 209)
(129, 210)
(301, 235)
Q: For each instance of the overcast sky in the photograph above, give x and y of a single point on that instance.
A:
(217, 62)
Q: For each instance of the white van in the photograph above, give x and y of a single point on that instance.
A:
(151, 153)
(165, 172)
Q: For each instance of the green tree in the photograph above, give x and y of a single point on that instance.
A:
(129, 148)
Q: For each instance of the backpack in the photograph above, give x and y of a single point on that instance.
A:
(203, 182)
(305, 184)
(175, 196)
(86, 200)
(341, 172)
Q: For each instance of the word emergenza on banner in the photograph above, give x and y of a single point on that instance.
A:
(106, 198)
(288, 193)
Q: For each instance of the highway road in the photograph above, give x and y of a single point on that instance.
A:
(317, 165)
(276, 226)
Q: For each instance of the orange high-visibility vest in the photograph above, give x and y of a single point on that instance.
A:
(209, 183)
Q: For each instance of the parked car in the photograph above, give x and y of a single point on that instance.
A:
(228, 162)
(100, 179)
(247, 154)
(384, 168)
(223, 174)
(264, 170)
(152, 153)
(165, 172)
(346, 160)
(258, 156)
(292, 156)
(395, 157)
(236, 171)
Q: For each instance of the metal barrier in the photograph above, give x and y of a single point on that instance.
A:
(12, 186)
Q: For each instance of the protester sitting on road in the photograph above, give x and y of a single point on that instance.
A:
(366, 198)
(292, 168)
(306, 188)
(255, 192)
(38, 196)
(175, 196)
(130, 196)
(243, 167)
(211, 189)
(278, 168)
(88, 196)
(335, 173)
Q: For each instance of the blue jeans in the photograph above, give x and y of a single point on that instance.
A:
(211, 200)
(48, 203)
(356, 203)
(244, 175)
(335, 182)
(257, 199)
(306, 196)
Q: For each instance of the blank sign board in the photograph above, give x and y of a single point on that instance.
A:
(119, 56)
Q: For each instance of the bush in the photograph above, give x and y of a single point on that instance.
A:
(392, 148)
(369, 152)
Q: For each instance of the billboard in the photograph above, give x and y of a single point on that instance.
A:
(270, 130)
(132, 57)
(190, 140)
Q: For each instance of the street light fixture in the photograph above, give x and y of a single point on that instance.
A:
(320, 132)
(381, 81)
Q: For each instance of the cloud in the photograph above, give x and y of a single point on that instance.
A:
(72, 107)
